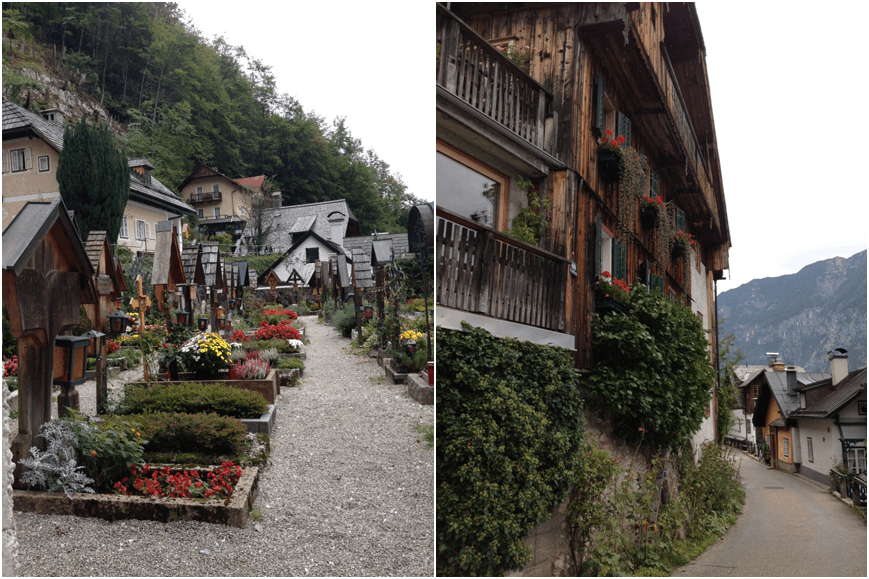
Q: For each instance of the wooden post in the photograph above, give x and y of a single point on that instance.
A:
(140, 302)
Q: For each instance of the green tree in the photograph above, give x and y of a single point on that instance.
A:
(727, 393)
(93, 177)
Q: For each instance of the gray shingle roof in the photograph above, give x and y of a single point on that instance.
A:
(778, 383)
(157, 194)
(16, 119)
(300, 218)
(399, 244)
(846, 390)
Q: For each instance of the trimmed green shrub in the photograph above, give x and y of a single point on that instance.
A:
(180, 432)
(290, 363)
(280, 345)
(344, 319)
(509, 430)
(192, 398)
(652, 377)
(134, 357)
(300, 309)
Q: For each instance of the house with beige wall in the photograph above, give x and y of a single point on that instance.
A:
(221, 202)
(31, 150)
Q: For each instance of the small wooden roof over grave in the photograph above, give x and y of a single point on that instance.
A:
(295, 278)
(109, 281)
(343, 278)
(191, 257)
(362, 269)
(381, 251)
(47, 226)
(235, 278)
(252, 277)
(420, 228)
(242, 276)
(168, 266)
(272, 280)
(121, 281)
(211, 264)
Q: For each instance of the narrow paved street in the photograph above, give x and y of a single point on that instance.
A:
(788, 528)
(349, 491)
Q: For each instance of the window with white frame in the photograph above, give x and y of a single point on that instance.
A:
(201, 213)
(141, 230)
(20, 160)
(809, 450)
(43, 163)
(217, 212)
(199, 189)
(125, 233)
(785, 447)
(857, 460)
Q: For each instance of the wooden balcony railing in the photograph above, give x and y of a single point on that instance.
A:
(478, 74)
(483, 271)
(205, 197)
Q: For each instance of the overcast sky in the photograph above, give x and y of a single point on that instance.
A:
(787, 81)
(786, 86)
(361, 60)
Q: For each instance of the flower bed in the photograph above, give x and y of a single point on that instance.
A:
(268, 387)
(117, 507)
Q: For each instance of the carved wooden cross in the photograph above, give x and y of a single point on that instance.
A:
(140, 302)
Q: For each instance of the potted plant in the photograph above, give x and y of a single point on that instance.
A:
(650, 209)
(683, 241)
(608, 156)
(611, 294)
(206, 355)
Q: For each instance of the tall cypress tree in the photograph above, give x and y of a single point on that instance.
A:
(94, 178)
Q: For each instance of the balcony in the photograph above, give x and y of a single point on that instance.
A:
(204, 197)
(475, 73)
(486, 273)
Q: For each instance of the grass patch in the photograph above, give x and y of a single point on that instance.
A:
(427, 434)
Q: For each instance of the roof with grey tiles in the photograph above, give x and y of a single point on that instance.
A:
(846, 391)
(399, 244)
(17, 119)
(295, 219)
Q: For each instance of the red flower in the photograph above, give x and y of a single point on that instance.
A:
(609, 132)
(614, 143)
(621, 139)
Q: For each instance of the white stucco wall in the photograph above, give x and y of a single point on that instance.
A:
(299, 257)
(826, 448)
(700, 305)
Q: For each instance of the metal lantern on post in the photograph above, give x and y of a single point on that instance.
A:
(118, 322)
(203, 324)
(70, 363)
(411, 344)
(182, 318)
(95, 344)
(221, 323)
(232, 304)
(368, 311)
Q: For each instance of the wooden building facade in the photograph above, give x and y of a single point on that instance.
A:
(525, 94)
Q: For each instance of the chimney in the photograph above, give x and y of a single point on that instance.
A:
(791, 372)
(336, 221)
(838, 364)
(774, 361)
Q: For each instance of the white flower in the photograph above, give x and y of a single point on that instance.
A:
(296, 344)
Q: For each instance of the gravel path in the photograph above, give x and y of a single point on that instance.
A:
(349, 491)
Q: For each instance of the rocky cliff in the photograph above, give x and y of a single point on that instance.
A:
(802, 316)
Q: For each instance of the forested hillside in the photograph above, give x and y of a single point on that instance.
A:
(802, 316)
(180, 100)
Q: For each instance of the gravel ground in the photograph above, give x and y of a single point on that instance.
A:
(349, 491)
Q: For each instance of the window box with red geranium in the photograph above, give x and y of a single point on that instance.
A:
(611, 295)
(653, 211)
(683, 242)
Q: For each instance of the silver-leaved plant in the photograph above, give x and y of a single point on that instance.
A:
(55, 468)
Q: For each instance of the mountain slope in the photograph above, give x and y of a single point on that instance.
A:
(803, 315)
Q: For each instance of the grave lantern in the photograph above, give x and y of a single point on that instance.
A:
(95, 345)
(368, 310)
(232, 304)
(221, 323)
(203, 323)
(411, 344)
(182, 318)
(118, 322)
(70, 353)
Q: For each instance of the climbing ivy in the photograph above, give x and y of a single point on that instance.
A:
(653, 372)
(509, 430)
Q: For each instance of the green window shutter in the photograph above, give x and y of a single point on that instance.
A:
(653, 184)
(601, 118)
(623, 127)
(656, 283)
(598, 244)
(620, 269)
(680, 219)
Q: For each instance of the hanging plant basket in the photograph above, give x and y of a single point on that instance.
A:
(607, 305)
(608, 164)
(649, 218)
(678, 250)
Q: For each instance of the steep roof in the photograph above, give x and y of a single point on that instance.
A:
(294, 219)
(364, 242)
(251, 182)
(777, 388)
(19, 121)
(332, 247)
(157, 195)
(204, 171)
(846, 390)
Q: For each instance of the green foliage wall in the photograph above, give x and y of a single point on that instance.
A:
(652, 370)
(94, 178)
(509, 429)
